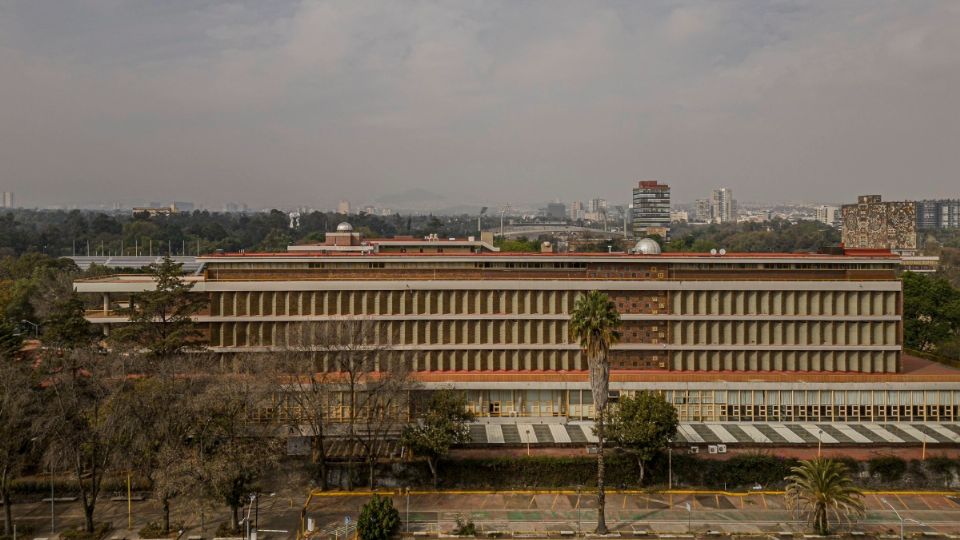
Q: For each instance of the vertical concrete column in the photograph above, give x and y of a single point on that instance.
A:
(106, 303)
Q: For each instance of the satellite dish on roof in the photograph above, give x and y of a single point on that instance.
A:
(723, 251)
(713, 251)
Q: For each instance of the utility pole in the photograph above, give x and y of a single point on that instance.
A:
(479, 227)
(53, 510)
(670, 464)
(503, 210)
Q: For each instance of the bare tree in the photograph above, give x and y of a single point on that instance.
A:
(162, 410)
(87, 417)
(306, 398)
(229, 453)
(19, 411)
(364, 381)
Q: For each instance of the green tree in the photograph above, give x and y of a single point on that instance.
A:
(931, 311)
(442, 425)
(66, 326)
(521, 244)
(11, 341)
(595, 324)
(822, 487)
(642, 425)
(379, 520)
(161, 320)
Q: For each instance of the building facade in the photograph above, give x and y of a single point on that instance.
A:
(938, 214)
(651, 207)
(556, 210)
(704, 212)
(731, 338)
(829, 215)
(875, 224)
(723, 208)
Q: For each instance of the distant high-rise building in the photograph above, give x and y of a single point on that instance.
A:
(182, 206)
(704, 212)
(828, 214)
(556, 210)
(651, 207)
(679, 216)
(722, 206)
(596, 210)
(873, 224)
(938, 214)
(8, 199)
(576, 210)
(343, 207)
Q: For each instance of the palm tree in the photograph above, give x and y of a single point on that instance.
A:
(820, 487)
(595, 324)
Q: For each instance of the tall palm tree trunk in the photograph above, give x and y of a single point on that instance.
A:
(601, 492)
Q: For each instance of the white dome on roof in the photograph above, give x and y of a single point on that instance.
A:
(647, 246)
(344, 227)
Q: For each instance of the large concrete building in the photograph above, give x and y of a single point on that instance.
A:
(651, 208)
(733, 338)
(875, 224)
(723, 207)
(938, 214)
(829, 215)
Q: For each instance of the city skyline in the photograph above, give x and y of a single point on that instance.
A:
(281, 103)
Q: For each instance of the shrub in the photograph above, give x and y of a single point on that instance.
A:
(852, 465)
(941, 466)
(379, 520)
(225, 530)
(465, 528)
(24, 530)
(99, 531)
(154, 529)
(887, 468)
(917, 470)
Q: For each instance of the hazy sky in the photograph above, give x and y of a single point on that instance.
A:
(284, 103)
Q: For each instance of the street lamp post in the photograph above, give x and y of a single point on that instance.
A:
(819, 440)
(53, 508)
(670, 464)
(689, 517)
(884, 501)
(578, 509)
(406, 525)
(528, 442)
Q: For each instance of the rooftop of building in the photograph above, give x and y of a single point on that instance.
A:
(851, 254)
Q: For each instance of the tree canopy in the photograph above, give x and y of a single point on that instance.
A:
(821, 488)
(161, 319)
(442, 425)
(643, 425)
(931, 314)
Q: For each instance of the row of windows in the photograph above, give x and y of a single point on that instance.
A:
(785, 333)
(409, 302)
(816, 303)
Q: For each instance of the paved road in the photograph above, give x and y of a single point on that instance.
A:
(523, 511)
(630, 512)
